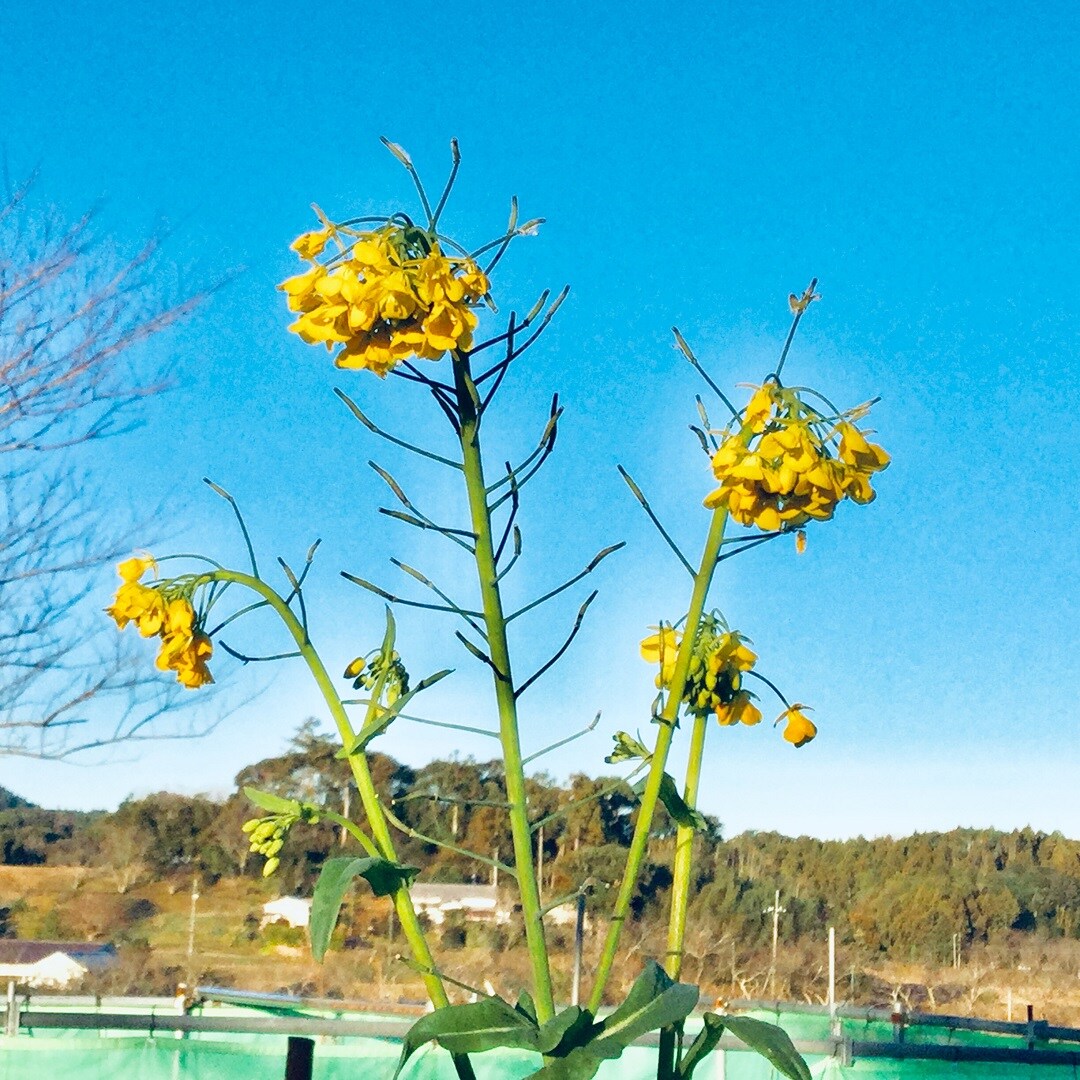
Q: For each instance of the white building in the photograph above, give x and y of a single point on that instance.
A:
(291, 910)
(54, 964)
(436, 901)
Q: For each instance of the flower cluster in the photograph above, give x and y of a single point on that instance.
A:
(380, 669)
(385, 295)
(787, 464)
(714, 681)
(166, 612)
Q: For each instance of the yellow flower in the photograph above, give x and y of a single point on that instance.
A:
(741, 710)
(799, 729)
(138, 604)
(662, 648)
(311, 244)
(758, 409)
(134, 568)
(190, 667)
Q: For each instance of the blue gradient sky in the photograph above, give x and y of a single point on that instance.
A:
(694, 168)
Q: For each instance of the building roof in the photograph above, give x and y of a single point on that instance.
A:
(31, 952)
(435, 892)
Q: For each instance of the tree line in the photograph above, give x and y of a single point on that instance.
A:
(909, 898)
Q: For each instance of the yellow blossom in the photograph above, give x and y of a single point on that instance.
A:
(132, 569)
(311, 244)
(139, 604)
(799, 729)
(662, 648)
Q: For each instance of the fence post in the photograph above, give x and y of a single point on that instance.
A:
(299, 1059)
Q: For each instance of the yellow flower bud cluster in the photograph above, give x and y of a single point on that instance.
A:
(787, 464)
(164, 611)
(385, 296)
(267, 836)
(714, 682)
(379, 668)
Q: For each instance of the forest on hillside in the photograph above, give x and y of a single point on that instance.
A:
(912, 899)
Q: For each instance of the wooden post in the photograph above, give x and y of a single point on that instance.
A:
(834, 1030)
(300, 1058)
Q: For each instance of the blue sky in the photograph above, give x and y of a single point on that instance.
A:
(693, 168)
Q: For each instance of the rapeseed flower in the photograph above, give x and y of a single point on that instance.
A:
(164, 609)
(782, 463)
(385, 296)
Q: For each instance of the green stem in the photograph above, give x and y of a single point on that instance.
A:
(365, 784)
(499, 652)
(668, 717)
(680, 893)
(684, 854)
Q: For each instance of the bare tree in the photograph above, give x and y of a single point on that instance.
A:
(71, 315)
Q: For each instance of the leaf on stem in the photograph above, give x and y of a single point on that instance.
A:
(768, 1040)
(471, 1029)
(384, 877)
(676, 806)
(272, 803)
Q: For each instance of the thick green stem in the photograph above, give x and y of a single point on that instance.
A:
(668, 717)
(670, 1037)
(684, 854)
(365, 784)
(506, 699)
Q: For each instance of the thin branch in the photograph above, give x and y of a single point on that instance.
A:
(297, 591)
(800, 307)
(217, 489)
(245, 659)
(685, 349)
(455, 157)
(390, 598)
(513, 558)
(547, 437)
(562, 742)
(236, 615)
(562, 649)
(372, 427)
(445, 724)
(639, 495)
(771, 685)
(750, 543)
(503, 368)
(402, 156)
(468, 616)
(408, 830)
(593, 564)
(517, 328)
(607, 789)
(515, 504)
(480, 655)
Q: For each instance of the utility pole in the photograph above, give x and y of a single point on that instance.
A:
(191, 916)
(776, 910)
(346, 804)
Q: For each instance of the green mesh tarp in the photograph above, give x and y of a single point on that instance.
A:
(42, 1055)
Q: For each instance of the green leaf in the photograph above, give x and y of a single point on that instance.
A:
(566, 1031)
(579, 1064)
(702, 1046)
(654, 1002)
(770, 1041)
(674, 803)
(526, 1006)
(470, 1029)
(627, 748)
(382, 875)
(274, 803)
